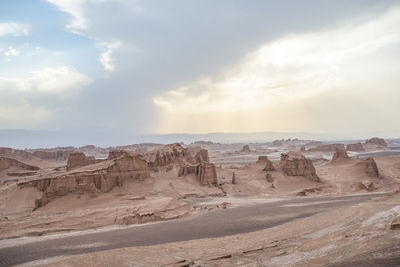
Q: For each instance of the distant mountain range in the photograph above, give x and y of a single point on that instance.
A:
(104, 138)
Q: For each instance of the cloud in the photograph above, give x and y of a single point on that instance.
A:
(11, 52)
(47, 80)
(35, 99)
(106, 58)
(23, 114)
(282, 74)
(75, 8)
(14, 29)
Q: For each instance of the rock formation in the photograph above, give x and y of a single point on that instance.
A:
(262, 159)
(173, 153)
(295, 164)
(339, 154)
(52, 155)
(357, 147)
(366, 185)
(376, 141)
(202, 156)
(371, 168)
(233, 178)
(327, 148)
(269, 166)
(95, 178)
(245, 148)
(207, 174)
(76, 160)
(16, 166)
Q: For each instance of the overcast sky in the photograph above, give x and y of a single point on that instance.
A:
(201, 66)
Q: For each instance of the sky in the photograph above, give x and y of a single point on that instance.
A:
(185, 66)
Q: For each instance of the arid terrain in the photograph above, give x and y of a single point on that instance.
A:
(288, 202)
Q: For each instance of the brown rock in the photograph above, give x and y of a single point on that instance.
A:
(339, 154)
(245, 148)
(327, 148)
(262, 159)
(95, 178)
(376, 141)
(295, 164)
(269, 178)
(357, 147)
(173, 153)
(269, 166)
(202, 156)
(233, 178)
(76, 160)
(206, 174)
(371, 168)
(6, 163)
(52, 154)
(395, 224)
(366, 185)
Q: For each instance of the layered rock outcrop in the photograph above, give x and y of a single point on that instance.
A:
(357, 147)
(327, 148)
(204, 170)
(339, 154)
(202, 156)
(168, 154)
(295, 164)
(60, 155)
(7, 163)
(76, 160)
(206, 173)
(95, 178)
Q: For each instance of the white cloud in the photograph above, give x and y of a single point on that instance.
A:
(11, 52)
(76, 9)
(14, 29)
(47, 80)
(283, 73)
(106, 57)
(23, 114)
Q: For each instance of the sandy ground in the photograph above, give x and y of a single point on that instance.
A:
(356, 234)
(165, 196)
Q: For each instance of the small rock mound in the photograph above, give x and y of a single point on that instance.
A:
(245, 148)
(339, 154)
(357, 147)
(366, 185)
(295, 164)
(76, 160)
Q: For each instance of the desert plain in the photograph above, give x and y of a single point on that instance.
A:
(288, 202)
